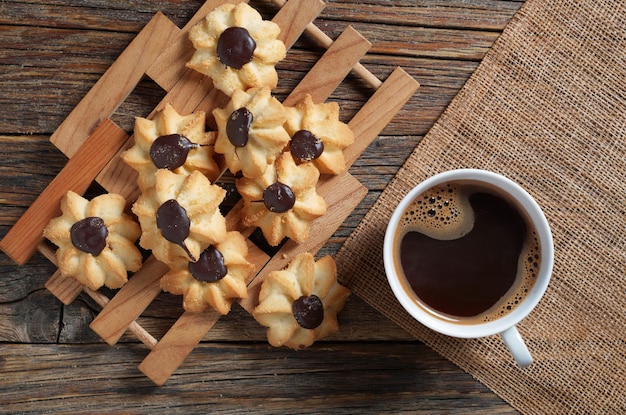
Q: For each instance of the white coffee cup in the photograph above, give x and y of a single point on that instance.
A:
(505, 326)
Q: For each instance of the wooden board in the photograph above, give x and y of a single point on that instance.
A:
(160, 51)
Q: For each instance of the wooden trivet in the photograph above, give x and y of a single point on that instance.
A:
(160, 51)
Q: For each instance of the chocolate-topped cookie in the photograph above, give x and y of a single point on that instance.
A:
(180, 216)
(283, 201)
(171, 141)
(96, 240)
(215, 279)
(241, 55)
(317, 135)
(251, 132)
(299, 304)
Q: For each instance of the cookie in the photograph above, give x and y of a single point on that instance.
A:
(218, 277)
(317, 135)
(299, 304)
(283, 201)
(174, 142)
(96, 240)
(236, 48)
(251, 131)
(180, 216)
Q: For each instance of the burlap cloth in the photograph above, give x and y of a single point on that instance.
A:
(546, 108)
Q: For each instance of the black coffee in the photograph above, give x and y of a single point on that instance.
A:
(467, 253)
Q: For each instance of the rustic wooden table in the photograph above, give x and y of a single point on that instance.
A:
(51, 54)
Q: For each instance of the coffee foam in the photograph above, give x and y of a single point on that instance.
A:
(443, 212)
(440, 213)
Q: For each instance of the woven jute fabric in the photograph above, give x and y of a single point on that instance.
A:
(547, 109)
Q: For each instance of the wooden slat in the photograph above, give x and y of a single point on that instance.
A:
(115, 85)
(294, 17)
(167, 355)
(379, 110)
(328, 72)
(129, 302)
(139, 332)
(22, 240)
(63, 288)
(118, 177)
(323, 40)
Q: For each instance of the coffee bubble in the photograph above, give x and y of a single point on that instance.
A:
(441, 212)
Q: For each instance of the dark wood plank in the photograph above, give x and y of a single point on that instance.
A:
(129, 16)
(65, 60)
(102, 15)
(33, 319)
(339, 378)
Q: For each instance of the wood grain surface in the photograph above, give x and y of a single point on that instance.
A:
(52, 54)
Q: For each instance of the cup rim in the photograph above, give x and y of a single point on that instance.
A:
(535, 213)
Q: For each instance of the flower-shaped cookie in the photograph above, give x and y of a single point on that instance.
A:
(317, 135)
(180, 216)
(215, 279)
(283, 201)
(299, 304)
(171, 141)
(96, 240)
(251, 131)
(236, 48)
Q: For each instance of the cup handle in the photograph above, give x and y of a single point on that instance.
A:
(516, 346)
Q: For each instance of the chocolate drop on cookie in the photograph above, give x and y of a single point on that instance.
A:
(170, 151)
(305, 146)
(278, 198)
(174, 223)
(238, 127)
(235, 47)
(308, 311)
(89, 235)
(210, 266)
